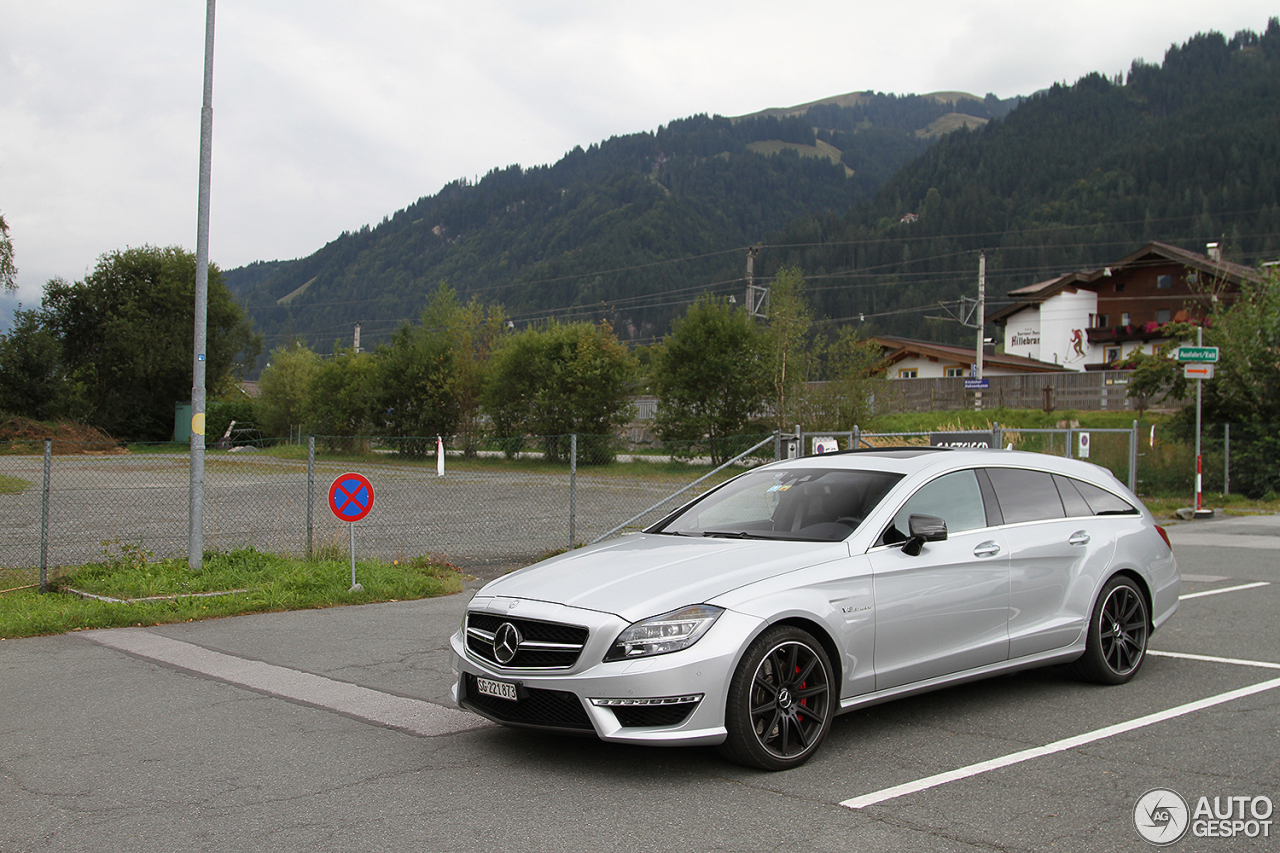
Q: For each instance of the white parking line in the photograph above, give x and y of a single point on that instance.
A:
(373, 706)
(1224, 589)
(1057, 746)
(1207, 658)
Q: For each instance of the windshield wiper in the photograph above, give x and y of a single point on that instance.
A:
(737, 534)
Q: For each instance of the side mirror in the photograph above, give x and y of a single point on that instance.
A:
(924, 528)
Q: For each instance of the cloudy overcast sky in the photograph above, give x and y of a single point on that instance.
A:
(329, 115)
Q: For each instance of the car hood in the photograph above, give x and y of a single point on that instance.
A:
(644, 575)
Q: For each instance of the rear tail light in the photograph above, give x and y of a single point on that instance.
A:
(1164, 536)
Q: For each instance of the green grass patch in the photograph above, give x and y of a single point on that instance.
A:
(13, 485)
(1011, 419)
(272, 583)
(1165, 508)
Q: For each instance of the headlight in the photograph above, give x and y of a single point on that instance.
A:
(669, 632)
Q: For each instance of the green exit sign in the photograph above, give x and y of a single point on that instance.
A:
(1199, 355)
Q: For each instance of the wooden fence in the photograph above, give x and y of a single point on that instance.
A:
(1103, 390)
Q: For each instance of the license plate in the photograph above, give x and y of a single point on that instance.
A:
(496, 689)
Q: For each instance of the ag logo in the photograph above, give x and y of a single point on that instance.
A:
(1161, 816)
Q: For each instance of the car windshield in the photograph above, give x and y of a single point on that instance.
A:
(806, 504)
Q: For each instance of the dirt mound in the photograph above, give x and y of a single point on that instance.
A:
(23, 435)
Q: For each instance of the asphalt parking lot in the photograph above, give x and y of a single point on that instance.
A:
(327, 730)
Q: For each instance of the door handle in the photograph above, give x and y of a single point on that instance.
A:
(987, 549)
(1079, 538)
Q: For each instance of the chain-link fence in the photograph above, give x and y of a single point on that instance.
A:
(500, 502)
(1115, 449)
(66, 504)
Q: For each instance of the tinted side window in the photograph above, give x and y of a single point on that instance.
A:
(1103, 502)
(1026, 495)
(1072, 501)
(954, 497)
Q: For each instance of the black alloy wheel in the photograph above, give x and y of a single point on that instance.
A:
(780, 701)
(1118, 630)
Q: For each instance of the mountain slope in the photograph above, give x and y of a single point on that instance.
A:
(605, 226)
(1186, 152)
(633, 228)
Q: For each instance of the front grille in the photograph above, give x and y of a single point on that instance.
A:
(553, 709)
(637, 716)
(543, 645)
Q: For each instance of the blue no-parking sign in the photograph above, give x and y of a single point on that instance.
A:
(351, 497)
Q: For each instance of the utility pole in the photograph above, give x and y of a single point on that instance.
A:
(195, 512)
(982, 322)
(355, 344)
(756, 296)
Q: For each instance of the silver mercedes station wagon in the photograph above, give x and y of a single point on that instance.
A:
(802, 589)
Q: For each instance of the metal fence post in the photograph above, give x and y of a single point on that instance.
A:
(857, 437)
(311, 485)
(997, 434)
(1226, 459)
(44, 517)
(573, 484)
(1133, 458)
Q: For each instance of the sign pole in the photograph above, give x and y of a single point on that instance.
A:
(1199, 389)
(1198, 363)
(355, 587)
(350, 499)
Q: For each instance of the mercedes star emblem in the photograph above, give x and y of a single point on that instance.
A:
(506, 642)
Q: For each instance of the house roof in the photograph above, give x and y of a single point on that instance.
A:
(1034, 294)
(897, 349)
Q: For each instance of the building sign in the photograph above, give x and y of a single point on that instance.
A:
(1025, 338)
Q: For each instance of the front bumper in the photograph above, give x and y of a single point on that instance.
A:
(676, 698)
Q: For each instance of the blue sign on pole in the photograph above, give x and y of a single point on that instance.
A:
(351, 497)
(975, 384)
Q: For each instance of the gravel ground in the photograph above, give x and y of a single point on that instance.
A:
(474, 519)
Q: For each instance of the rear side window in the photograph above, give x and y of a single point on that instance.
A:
(1026, 495)
(1103, 502)
(1074, 503)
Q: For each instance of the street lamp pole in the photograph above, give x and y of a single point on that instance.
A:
(195, 524)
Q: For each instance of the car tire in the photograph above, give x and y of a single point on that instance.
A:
(781, 701)
(1118, 630)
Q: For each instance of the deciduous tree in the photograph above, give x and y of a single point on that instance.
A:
(341, 396)
(711, 375)
(31, 383)
(126, 337)
(1244, 389)
(562, 379)
(789, 354)
(8, 272)
(284, 385)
